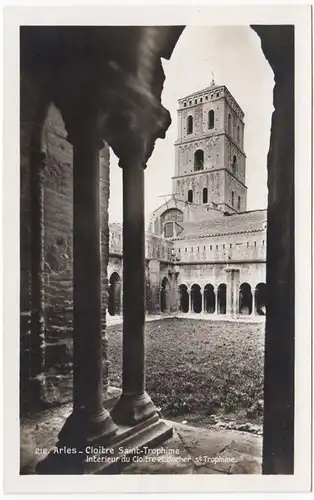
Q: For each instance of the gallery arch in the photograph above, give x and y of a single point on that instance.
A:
(209, 299)
(184, 298)
(222, 299)
(165, 296)
(196, 298)
(114, 300)
(245, 299)
(260, 299)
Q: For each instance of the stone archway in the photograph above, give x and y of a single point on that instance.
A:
(165, 296)
(278, 47)
(260, 299)
(196, 298)
(245, 299)
(114, 301)
(222, 299)
(209, 299)
(184, 298)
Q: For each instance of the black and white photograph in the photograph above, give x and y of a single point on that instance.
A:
(163, 314)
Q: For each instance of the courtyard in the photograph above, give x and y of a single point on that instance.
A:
(200, 371)
(206, 379)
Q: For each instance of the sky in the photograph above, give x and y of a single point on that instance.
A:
(234, 55)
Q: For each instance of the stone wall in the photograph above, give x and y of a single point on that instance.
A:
(58, 219)
(226, 248)
(57, 180)
(215, 274)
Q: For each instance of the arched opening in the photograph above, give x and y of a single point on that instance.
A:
(190, 124)
(196, 298)
(260, 299)
(209, 299)
(245, 299)
(234, 164)
(165, 296)
(199, 160)
(190, 196)
(222, 299)
(168, 231)
(205, 195)
(114, 300)
(232, 198)
(238, 134)
(229, 123)
(211, 119)
(184, 298)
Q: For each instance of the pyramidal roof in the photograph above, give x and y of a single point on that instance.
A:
(210, 88)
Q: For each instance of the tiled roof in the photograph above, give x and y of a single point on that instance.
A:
(245, 222)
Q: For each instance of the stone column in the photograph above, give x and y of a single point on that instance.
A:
(89, 419)
(216, 301)
(204, 302)
(134, 404)
(236, 283)
(38, 390)
(178, 296)
(253, 302)
(229, 298)
(278, 45)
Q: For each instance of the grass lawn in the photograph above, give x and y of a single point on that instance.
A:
(198, 368)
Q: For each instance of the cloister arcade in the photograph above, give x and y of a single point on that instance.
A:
(208, 299)
(213, 299)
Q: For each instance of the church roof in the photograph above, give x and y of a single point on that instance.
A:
(244, 222)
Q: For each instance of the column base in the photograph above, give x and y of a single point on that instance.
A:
(89, 429)
(78, 432)
(109, 456)
(132, 409)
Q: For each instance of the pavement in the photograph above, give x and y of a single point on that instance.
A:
(191, 450)
(117, 320)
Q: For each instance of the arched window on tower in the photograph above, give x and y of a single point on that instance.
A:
(238, 134)
(232, 198)
(211, 119)
(190, 124)
(199, 160)
(205, 195)
(234, 164)
(190, 196)
(239, 203)
(229, 123)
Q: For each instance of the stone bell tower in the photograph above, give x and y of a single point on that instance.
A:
(209, 155)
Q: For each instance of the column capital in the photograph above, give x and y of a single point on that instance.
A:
(83, 126)
(132, 134)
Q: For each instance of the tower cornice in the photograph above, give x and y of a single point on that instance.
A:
(209, 170)
(215, 88)
(208, 135)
